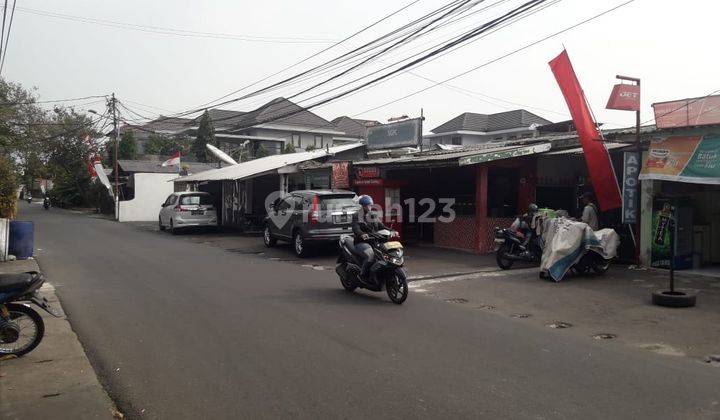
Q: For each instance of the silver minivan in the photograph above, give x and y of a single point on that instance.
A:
(187, 209)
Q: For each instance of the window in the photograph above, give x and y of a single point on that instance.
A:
(196, 199)
(296, 140)
(170, 200)
(456, 140)
(318, 141)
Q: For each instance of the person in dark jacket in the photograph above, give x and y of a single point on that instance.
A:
(365, 222)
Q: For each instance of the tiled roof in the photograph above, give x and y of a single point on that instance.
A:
(470, 121)
(354, 127)
(221, 117)
(273, 113)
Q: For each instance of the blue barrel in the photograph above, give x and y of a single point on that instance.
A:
(21, 239)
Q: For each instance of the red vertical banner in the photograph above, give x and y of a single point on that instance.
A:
(340, 175)
(600, 168)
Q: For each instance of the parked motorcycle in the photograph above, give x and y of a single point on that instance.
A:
(28, 198)
(386, 271)
(46, 203)
(510, 249)
(21, 327)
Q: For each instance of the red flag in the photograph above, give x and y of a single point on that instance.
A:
(174, 160)
(602, 174)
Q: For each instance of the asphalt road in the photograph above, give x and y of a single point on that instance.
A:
(182, 330)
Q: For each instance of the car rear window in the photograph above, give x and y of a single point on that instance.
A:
(337, 202)
(194, 200)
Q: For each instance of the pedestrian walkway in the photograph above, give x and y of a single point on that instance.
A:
(56, 379)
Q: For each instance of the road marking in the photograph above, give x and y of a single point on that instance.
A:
(422, 283)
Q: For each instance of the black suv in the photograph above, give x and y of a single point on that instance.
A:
(306, 216)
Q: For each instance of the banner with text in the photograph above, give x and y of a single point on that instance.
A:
(694, 159)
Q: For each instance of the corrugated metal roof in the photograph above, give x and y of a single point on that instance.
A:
(263, 165)
(152, 166)
(443, 155)
(579, 150)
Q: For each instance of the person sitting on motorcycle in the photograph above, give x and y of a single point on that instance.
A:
(527, 225)
(365, 222)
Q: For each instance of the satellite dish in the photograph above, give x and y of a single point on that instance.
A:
(220, 154)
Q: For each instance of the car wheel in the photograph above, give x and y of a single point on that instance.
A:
(160, 225)
(173, 231)
(299, 245)
(268, 239)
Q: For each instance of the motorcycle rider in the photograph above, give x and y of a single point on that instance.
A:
(527, 226)
(365, 222)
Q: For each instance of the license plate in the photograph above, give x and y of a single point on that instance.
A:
(340, 218)
(197, 212)
(499, 240)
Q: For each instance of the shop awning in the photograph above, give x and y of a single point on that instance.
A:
(693, 159)
(463, 156)
(579, 150)
(264, 165)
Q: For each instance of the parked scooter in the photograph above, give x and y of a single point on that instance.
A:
(386, 272)
(510, 249)
(46, 203)
(21, 328)
(28, 198)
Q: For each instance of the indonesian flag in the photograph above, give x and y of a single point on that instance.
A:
(91, 170)
(173, 161)
(602, 174)
(100, 174)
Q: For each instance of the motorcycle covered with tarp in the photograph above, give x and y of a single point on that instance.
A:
(574, 245)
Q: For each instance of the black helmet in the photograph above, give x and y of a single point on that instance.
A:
(533, 208)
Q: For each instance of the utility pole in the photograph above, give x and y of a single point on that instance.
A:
(113, 104)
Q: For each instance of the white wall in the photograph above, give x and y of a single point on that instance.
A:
(151, 190)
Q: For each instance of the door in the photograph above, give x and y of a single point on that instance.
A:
(281, 216)
(166, 209)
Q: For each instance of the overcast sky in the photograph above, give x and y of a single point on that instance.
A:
(671, 46)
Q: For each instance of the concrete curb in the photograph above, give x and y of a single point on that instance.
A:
(56, 379)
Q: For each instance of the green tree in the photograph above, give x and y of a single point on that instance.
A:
(128, 146)
(205, 135)
(261, 151)
(310, 148)
(8, 188)
(179, 143)
(289, 148)
(155, 144)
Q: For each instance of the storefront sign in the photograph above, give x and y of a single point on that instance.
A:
(688, 112)
(340, 175)
(624, 97)
(406, 133)
(631, 170)
(369, 181)
(504, 154)
(694, 159)
(371, 172)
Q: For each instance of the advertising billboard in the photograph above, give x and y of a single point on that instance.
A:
(406, 133)
(631, 169)
(694, 159)
(688, 112)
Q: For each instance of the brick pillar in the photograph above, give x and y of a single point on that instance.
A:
(526, 191)
(481, 201)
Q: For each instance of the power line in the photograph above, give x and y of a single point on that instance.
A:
(2, 33)
(476, 32)
(314, 54)
(513, 52)
(176, 31)
(7, 38)
(52, 101)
